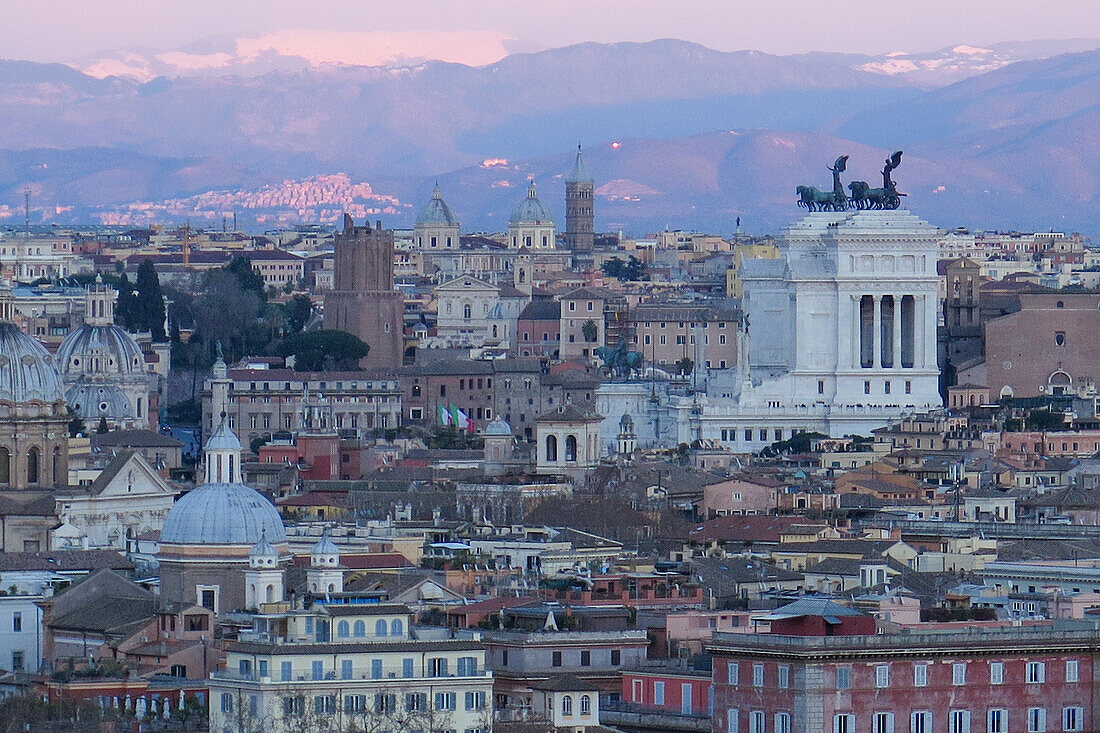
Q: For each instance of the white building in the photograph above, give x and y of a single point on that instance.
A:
(20, 633)
(350, 667)
(531, 224)
(474, 313)
(840, 338)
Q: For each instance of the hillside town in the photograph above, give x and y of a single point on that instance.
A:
(550, 478)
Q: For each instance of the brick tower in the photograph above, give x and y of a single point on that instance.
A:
(363, 301)
(578, 211)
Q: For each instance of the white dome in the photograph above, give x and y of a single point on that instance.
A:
(222, 514)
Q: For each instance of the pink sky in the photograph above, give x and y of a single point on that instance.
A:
(65, 30)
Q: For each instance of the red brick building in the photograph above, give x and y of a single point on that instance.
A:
(667, 689)
(960, 681)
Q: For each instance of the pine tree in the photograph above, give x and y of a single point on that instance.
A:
(102, 427)
(149, 303)
(124, 308)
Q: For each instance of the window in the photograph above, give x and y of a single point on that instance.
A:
(444, 701)
(343, 629)
(867, 386)
(355, 703)
(406, 668)
(844, 723)
(782, 723)
(920, 722)
(1071, 670)
(882, 723)
(17, 622)
(475, 700)
(293, 705)
(958, 673)
(1036, 672)
(882, 675)
(285, 672)
(376, 670)
(18, 659)
(324, 704)
(567, 705)
(959, 721)
(997, 720)
(996, 673)
(756, 721)
(586, 705)
(843, 678)
(1059, 338)
(908, 387)
(586, 658)
(784, 677)
(920, 675)
(658, 692)
(757, 675)
(616, 657)
(731, 720)
(437, 667)
(821, 386)
(1073, 718)
(555, 659)
(318, 670)
(385, 703)
(360, 628)
(380, 627)
(227, 702)
(733, 673)
(1036, 720)
(467, 666)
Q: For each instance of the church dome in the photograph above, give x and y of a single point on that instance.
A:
(325, 546)
(27, 370)
(93, 401)
(498, 427)
(436, 212)
(531, 210)
(222, 514)
(99, 350)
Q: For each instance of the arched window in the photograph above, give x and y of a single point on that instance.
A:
(571, 447)
(567, 705)
(380, 627)
(32, 466)
(360, 628)
(397, 628)
(467, 311)
(331, 588)
(270, 593)
(5, 466)
(586, 705)
(343, 629)
(551, 448)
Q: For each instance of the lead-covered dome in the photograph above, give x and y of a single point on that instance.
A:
(27, 370)
(99, 350)
(498, 427)
(96, 399)
(531, 210)
(436, 212)
(222, 514)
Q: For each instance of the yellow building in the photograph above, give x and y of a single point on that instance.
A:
(765, 250)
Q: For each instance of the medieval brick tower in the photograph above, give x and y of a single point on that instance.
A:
(578, 211)
(363, 301)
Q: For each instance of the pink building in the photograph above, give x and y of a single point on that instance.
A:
(1000, 680)
(668, 689)
(743, 493)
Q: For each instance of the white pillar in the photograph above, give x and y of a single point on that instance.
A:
(876, 332)
(897, 332)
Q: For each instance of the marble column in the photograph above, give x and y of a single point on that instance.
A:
(897, 332)
(876, 332)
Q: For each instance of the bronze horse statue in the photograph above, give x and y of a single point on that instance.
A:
(887, 197)
(814, 199)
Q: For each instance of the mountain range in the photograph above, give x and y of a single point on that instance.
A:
(675, 134)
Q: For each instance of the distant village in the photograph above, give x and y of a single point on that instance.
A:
(550, 479)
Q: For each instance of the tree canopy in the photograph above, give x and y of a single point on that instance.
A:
(324, 350)
(630, 269)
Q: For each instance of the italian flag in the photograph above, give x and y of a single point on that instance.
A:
(459, 419)
(444, 416)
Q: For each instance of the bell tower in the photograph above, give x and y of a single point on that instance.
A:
(579, 217)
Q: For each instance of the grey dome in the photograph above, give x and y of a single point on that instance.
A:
(498, 427)
(531, 210)
(223, 439)
(93, 400)
(436, 212)
(263, 548)
(222, 514)
(116, 350)
(27, 370)
(325, 546)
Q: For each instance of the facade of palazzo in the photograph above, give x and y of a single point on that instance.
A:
(839, 337)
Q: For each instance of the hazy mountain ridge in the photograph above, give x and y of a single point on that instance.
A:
(1011, 147)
